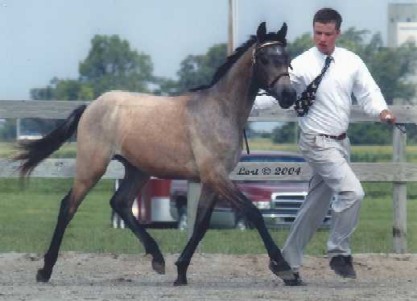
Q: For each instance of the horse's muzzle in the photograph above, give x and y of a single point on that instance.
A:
(288, 97)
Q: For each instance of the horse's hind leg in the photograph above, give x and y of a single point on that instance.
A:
(69, 206)
(122, 202)
(92, 160)
(206, 204)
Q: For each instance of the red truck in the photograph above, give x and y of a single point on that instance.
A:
(278, 201)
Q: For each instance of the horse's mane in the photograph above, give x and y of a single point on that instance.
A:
(231, 59)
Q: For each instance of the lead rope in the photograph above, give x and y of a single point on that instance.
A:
(401, 127)
(246, 141)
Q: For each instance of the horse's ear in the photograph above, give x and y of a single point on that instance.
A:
(261, 32)
(283, 31)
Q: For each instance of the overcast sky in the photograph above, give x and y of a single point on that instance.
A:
(41, 39)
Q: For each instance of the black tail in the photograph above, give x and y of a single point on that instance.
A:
(33, 152)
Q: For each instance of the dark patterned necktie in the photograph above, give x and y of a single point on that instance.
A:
(308, 96)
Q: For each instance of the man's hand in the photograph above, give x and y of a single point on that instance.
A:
(387, 116)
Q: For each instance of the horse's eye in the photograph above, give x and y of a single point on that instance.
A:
(263, 60)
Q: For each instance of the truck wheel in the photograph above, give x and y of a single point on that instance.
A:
(116, 221)
(182, 219)
(241, 224)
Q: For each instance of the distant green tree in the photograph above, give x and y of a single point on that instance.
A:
(300, 44)
(390, 67)
(165, 86)
(198, 70)
(68, 89)
(353, 39)
(370, 133)
(286, 133)
(112, 64)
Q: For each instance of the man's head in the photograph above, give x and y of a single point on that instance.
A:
(326, 27)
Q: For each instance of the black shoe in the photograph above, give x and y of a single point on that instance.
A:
(342, 266)
(296, 281)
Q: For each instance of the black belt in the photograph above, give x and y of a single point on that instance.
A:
(340, 137)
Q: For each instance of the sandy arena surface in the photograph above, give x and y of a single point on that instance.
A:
(211, 277)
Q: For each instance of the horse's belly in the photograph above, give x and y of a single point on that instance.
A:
(161, 161)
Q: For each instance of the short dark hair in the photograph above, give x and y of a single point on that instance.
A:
(328, 15)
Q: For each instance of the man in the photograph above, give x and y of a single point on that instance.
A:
(325, 107)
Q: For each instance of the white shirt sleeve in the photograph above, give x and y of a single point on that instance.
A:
(367, 92)
(297, 80)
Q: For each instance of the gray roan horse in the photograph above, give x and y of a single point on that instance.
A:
(196, 136)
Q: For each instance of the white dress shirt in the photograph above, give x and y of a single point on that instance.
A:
(347, 74)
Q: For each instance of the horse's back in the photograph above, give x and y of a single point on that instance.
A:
(120, 109)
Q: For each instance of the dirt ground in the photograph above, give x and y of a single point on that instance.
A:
(211, 277)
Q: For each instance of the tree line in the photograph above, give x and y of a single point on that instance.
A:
(111, 64)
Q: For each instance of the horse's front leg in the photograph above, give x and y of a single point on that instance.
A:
(277, 265)
(206, 204)
(122, 201)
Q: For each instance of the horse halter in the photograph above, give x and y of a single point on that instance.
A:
(254, 54)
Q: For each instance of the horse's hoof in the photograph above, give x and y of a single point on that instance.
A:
(281, 269)
(42, 276)
(158, 266)
(180, 282)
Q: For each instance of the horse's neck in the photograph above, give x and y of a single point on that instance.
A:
(238, 85)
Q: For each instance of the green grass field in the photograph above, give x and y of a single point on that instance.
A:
(28, 216)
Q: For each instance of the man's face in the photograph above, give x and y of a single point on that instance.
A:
(325, 36)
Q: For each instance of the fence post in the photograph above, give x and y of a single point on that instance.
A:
(193, 194)
(399, 229)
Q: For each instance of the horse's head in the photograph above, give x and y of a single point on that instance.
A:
(271, 62)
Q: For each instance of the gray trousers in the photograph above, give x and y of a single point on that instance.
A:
(332, 176)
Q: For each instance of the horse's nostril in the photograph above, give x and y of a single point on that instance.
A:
(290, 95)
